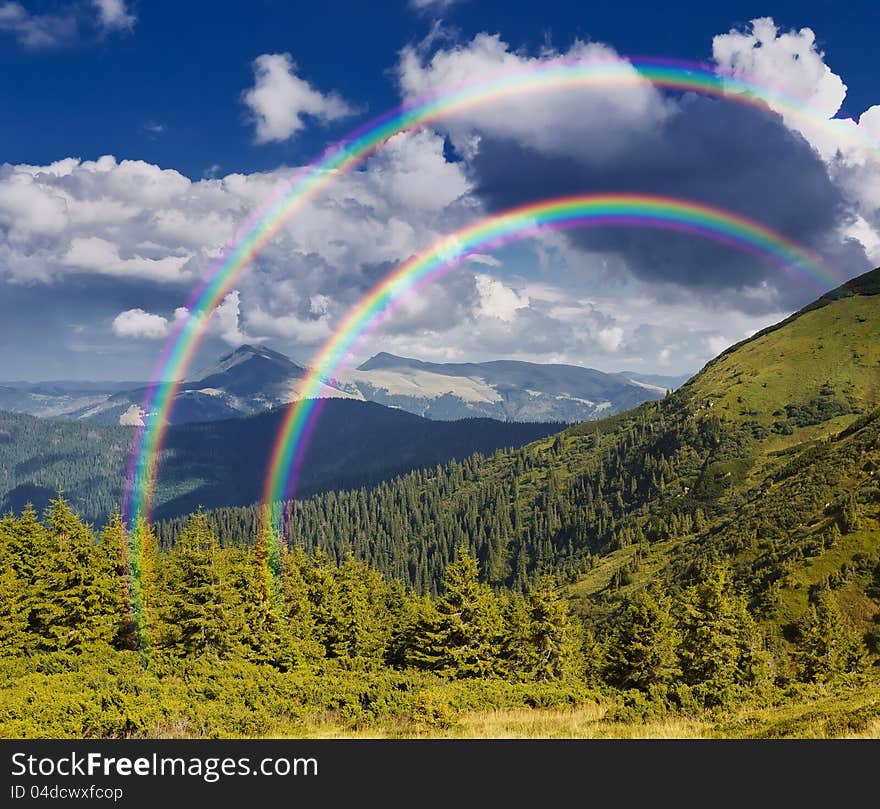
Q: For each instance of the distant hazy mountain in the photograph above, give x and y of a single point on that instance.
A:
(244, 382)
(658, 380)
(252, 379)
(58, 397)
(501, 389)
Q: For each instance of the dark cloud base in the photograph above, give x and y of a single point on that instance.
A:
(739, 158)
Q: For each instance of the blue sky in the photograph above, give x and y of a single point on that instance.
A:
(107, 252)
(184, 66)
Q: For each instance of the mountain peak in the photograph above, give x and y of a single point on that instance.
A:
(246, 350)
(384, 360)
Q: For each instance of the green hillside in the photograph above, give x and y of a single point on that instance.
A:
(761, 460)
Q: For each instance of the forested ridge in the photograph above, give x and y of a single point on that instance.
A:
(218, 463)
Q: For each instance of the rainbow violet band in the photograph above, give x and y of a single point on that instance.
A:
(305, 184)
(567, 212)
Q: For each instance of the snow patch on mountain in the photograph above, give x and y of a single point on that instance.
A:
(425, 384)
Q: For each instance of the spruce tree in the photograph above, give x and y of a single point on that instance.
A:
(13, 597)
(146, 595)
(306, 646)
(118, 604)
(195, 616)
(827, 648)
(644, 648)
(466, 638)
(68, 611)
(554, 639)
(709, 650)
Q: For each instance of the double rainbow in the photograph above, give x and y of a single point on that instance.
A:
(306, 183)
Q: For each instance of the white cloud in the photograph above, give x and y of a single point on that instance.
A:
(113, 15)
(226, 320)
(791, 62)
(225, 323)
(590, 123)
(484, 259)
(279, 99)
(36, 30)
(610, 338)
(716, 343)
(138, 324)
(497, 300)
(50, 30)
(432, 6)
(96, 255)
(786, 61)
(136, 221)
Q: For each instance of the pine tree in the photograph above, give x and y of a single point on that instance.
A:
(414, 642)
(68, 611)
(709, 650)
(827, 648)
(357, 630)
(146, 600)
(115, 558)
(851, 515)
(516, 649)
(644, 648)
(553, 637)
(195, 616)
(297, 608)
(14, 598)
(465, 637)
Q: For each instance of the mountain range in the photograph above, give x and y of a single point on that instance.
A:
(251, 380)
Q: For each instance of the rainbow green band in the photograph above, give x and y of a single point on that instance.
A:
(588, 210)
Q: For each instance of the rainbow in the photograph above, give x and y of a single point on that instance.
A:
(293, 194)
(587, 210)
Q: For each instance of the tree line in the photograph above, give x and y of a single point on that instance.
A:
(66, 595)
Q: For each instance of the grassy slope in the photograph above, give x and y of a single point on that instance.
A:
(835, 346)
(854, 715)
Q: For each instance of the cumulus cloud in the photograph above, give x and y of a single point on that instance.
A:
(130, 231)
(497, 300)
(225, 323)
(639, 140)
(52, 29)
(124, 242)
(137, 221)
(785, 61)
(138, 324)
(226, 320)
(280, 99)
(113, 15)
(791, 63)
(592, 123)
